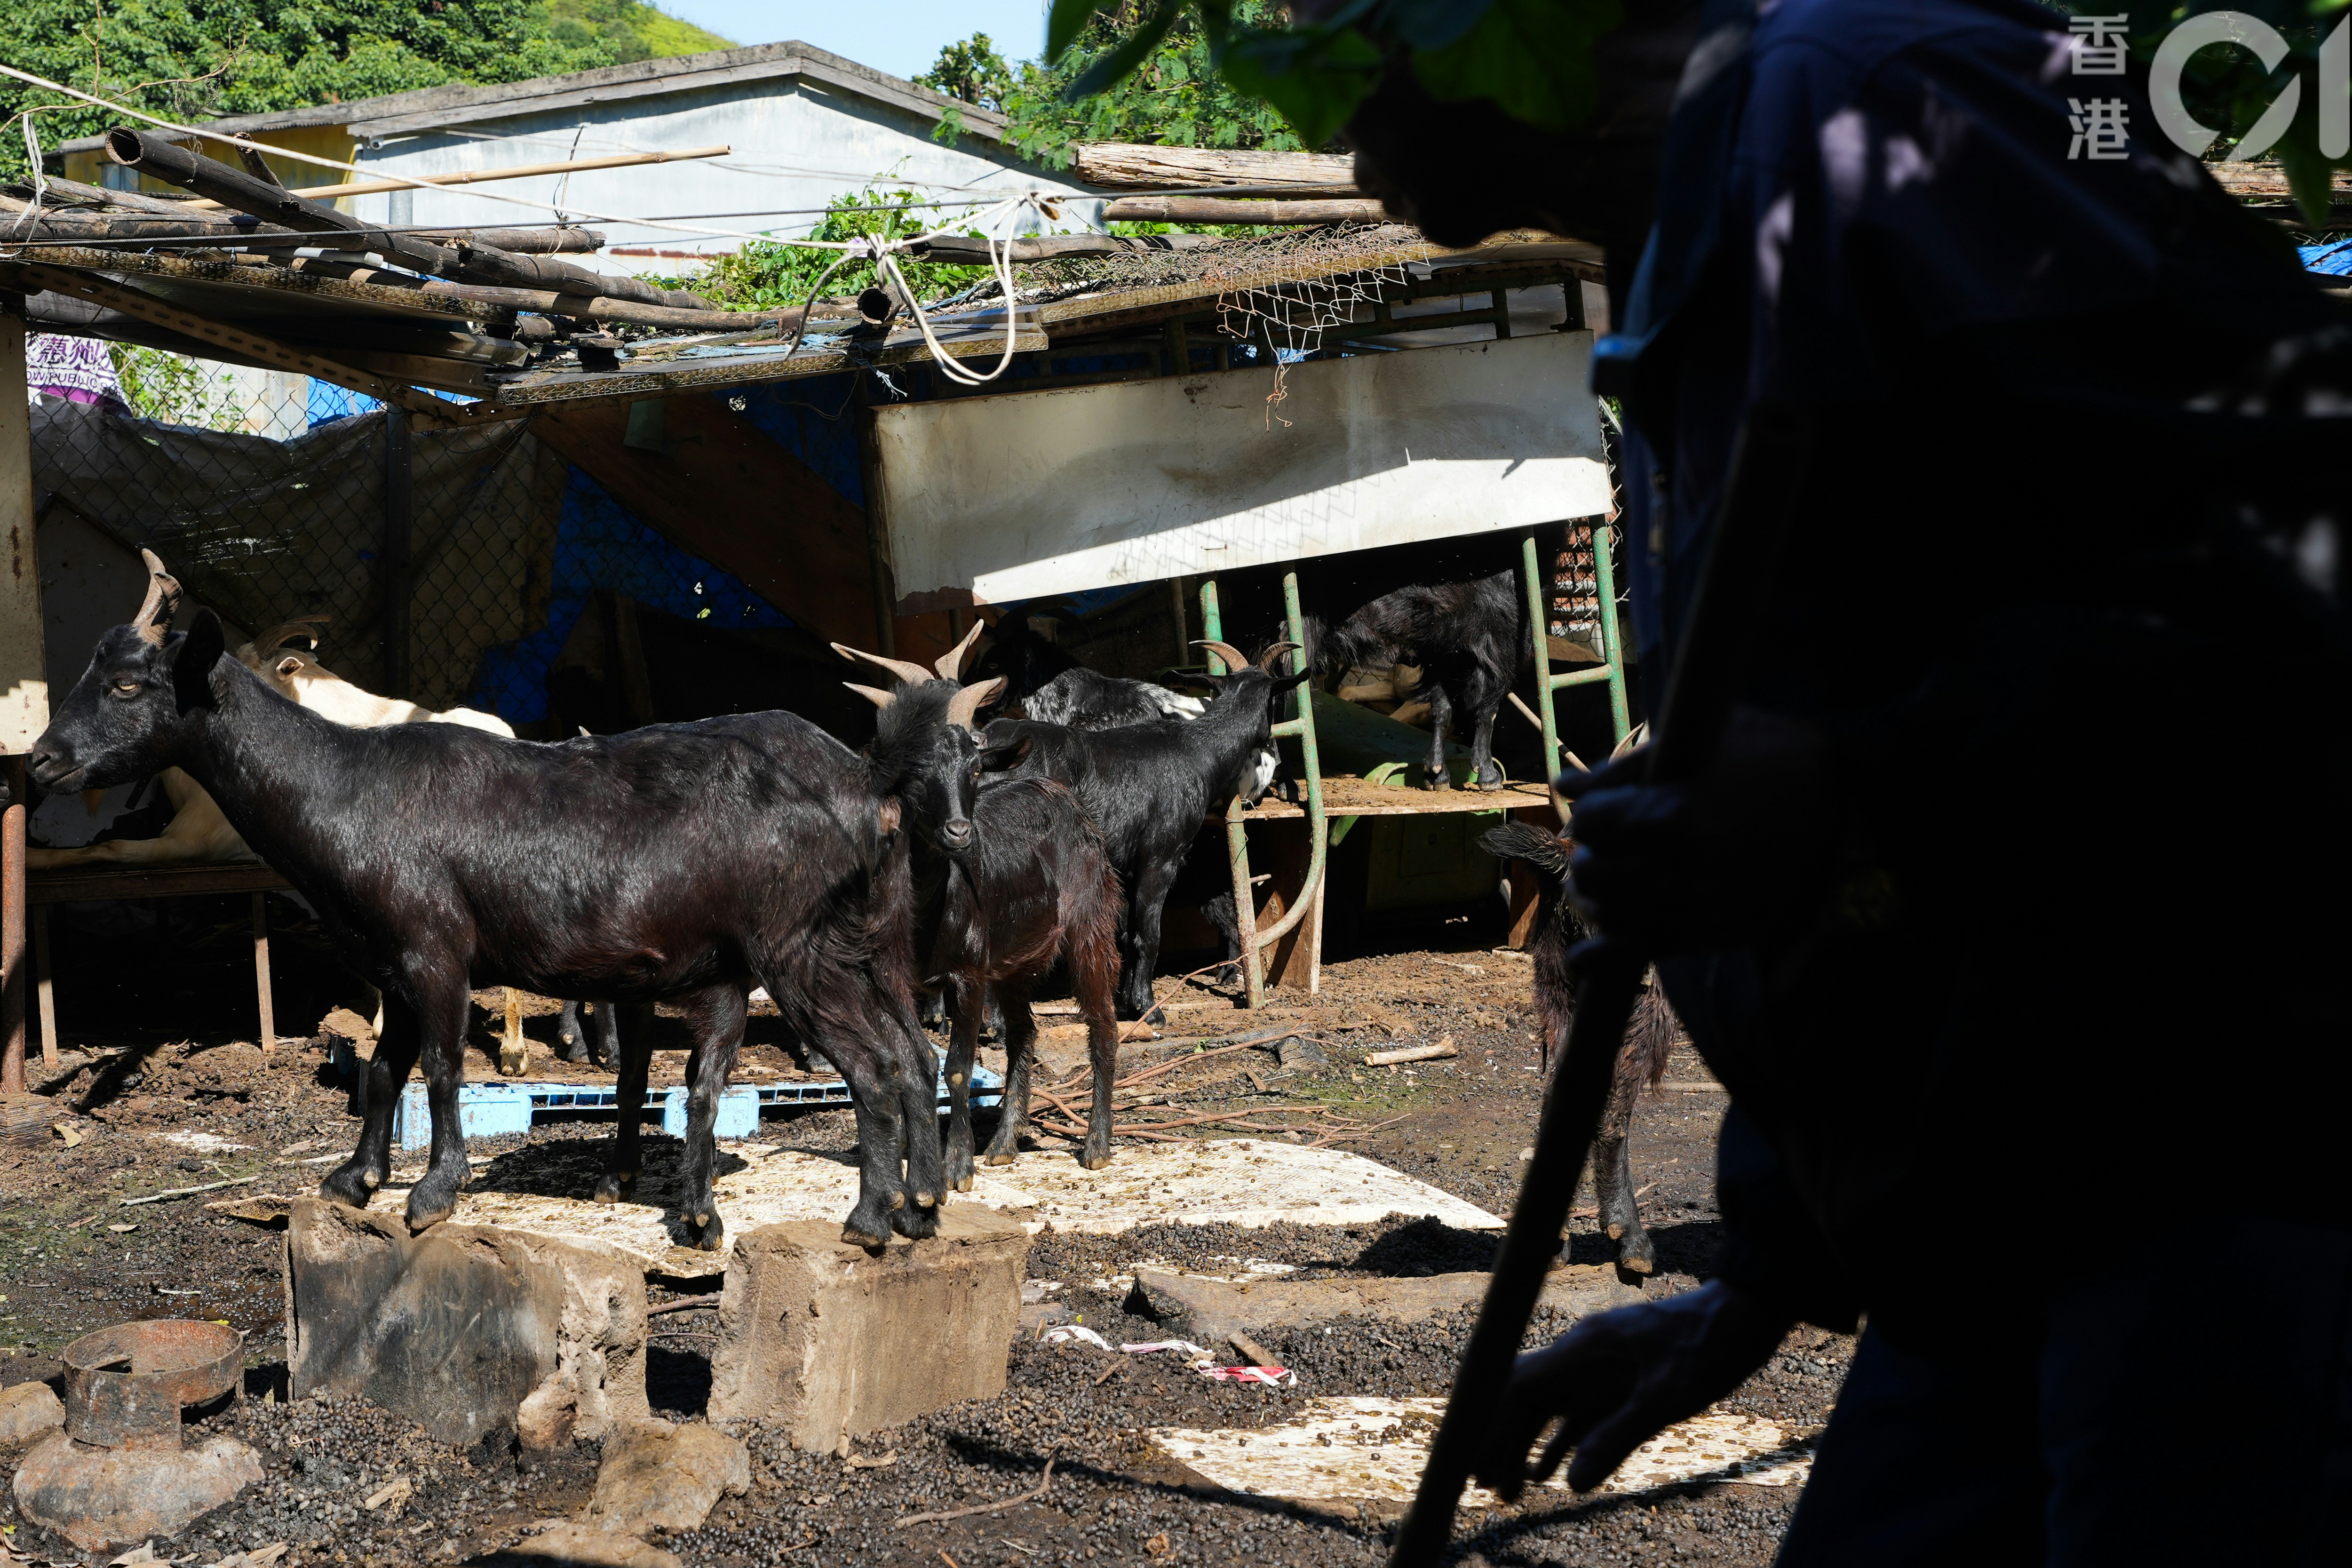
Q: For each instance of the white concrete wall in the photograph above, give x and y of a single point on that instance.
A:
(796, 144)
(1021, 494)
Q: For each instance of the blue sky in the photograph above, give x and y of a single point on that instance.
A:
(901, 36)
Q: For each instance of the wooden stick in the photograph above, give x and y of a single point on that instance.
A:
(185, 1192)
(982, 1508)
(476, 176)
(1413, 1054)
(689, 1305)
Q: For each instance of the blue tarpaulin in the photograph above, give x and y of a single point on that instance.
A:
(2335, 258)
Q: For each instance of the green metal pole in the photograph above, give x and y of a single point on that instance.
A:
(1604, 575)
(1539, 626)
(1212, 627)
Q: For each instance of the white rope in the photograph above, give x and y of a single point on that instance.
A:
(40, 180)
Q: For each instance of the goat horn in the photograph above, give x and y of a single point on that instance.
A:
(162, 600)
(965, 705)
(1266, 660)
(879, 699)
(912, 674)
(950, 663)
(1225, 651)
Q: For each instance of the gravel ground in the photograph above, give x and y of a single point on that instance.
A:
(128, 1088)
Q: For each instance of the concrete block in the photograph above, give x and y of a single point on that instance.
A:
(655, 1476)
(101, 1499)
(1209, 1309)
(457, 1328)
(28, 1411)
(829, 1340)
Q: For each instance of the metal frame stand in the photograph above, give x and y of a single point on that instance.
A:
(1301, 727)
(1611, 667)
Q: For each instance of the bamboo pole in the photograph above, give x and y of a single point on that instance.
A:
(1218, 209)
(476, 176)
(151, 153)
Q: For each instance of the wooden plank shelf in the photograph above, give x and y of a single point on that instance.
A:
(1360, 798)
(83, 884)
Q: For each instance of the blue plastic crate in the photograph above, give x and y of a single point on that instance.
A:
(489, 1109)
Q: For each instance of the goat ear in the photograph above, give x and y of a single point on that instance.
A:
(1287, 681)
(192, 661)
(288, 664)
(1012, 754)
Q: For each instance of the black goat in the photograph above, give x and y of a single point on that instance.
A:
(1013, 876)
(596, 1039)
(1469, 640)
(1649, 1039)
(1055, 688)
(1150, 787)
(681, 861)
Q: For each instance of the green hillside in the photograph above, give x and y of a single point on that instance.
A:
(628, 29)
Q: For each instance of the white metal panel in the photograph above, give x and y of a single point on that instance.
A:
(796, 145)
(991, 499)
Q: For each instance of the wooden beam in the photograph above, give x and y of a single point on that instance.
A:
(1135, 167)
(719, 489)
(251, 345)
(1219, 209)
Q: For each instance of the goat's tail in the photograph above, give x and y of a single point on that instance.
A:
(1516, 840)
(1651, 1039)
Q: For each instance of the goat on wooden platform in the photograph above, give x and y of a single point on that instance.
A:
(681, 861)
(1013, 876)
(1470, 641)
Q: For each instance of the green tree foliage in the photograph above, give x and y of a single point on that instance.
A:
(627, 29)
(1173, 97)
(1532, 58)
(185, 59)
(767, 276)
(973, 71)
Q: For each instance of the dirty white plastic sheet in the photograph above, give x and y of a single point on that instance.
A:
(1239, 1181)
(991, 499)
(1375, 1448)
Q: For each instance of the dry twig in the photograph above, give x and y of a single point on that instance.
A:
(998, 1507)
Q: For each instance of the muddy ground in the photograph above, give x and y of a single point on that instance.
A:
(150, 1109)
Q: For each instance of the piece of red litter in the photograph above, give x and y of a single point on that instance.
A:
(1275, 1375)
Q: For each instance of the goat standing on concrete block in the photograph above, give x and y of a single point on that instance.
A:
(1013, 876)
(1150, 787)
(682, 860)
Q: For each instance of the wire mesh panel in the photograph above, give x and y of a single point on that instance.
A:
(275, 498)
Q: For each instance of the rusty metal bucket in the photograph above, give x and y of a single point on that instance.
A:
(126, 1386)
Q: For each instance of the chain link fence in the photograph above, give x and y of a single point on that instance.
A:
(451, 565)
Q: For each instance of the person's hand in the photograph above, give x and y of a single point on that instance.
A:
(1683, 868)
(1620, 1378)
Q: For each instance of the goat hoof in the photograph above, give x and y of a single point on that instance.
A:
(856, 1238)
(706, 1231)
(965, 1186)
(1094, 1162)
(350, 1191)
(612, 1187)
(423, 1220)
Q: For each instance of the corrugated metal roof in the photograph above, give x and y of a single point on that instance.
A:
(437, 108)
